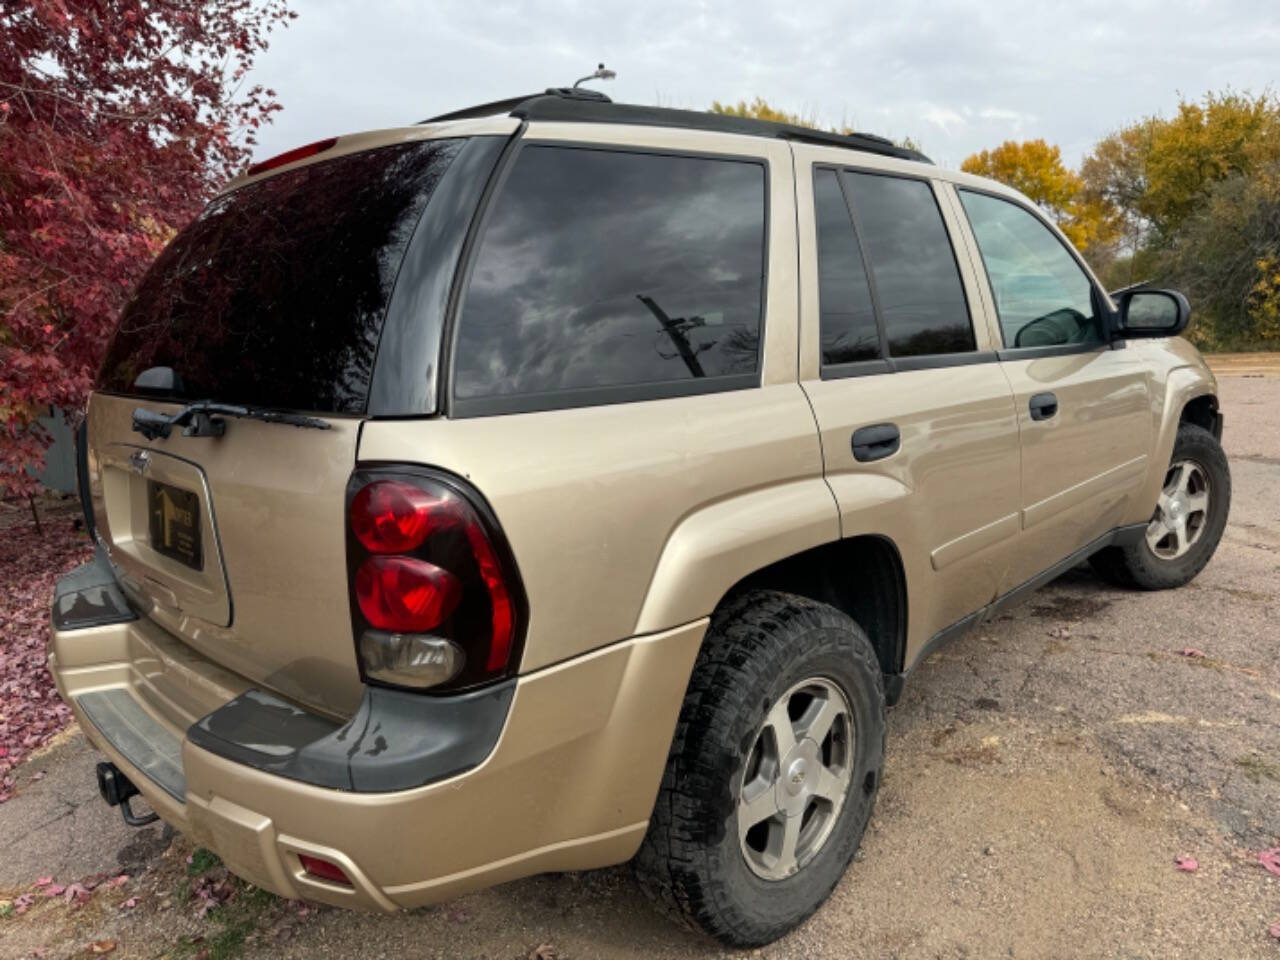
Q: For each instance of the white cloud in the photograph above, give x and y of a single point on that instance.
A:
(957, 76)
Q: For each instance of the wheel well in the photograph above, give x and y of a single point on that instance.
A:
(1203, 412)
(861, 576)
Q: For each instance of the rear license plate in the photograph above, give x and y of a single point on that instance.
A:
(174, 516)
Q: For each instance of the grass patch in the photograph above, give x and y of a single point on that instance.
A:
(202, 861)
(1258, 769)
(231, 925)
(232, 922)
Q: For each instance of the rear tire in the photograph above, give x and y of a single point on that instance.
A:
(1187, 523)
(739, 797)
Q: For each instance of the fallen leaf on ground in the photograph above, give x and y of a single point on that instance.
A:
(1270, 860)
(129, 904)
(56, 890)
(78, 893)
(22, 903)
(30, 564)
(43, 881)
(119, 881)
(1274, 930)
(1191, 652)
(1186, 864)
(99, 947)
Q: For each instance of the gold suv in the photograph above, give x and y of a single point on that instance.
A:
(561, 482)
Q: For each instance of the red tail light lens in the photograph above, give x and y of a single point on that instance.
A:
(406, 595)
(392, 517)
(436, 599)
(290, 156)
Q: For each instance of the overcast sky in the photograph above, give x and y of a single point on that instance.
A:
(956, 76)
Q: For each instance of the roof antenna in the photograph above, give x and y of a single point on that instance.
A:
(602, 73)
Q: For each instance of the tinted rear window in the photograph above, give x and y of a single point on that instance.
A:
(602, 273)
(275, 295)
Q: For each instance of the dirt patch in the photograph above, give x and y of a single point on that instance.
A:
(1069, 607)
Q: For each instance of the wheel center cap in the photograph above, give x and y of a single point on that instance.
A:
(797, 773)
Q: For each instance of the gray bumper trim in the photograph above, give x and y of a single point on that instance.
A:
(396, 740)
(89, 596)
(144, 743)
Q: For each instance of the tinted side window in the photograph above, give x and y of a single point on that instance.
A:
(1042, 296)
(608, 269)
(847, 318)
(913, 267)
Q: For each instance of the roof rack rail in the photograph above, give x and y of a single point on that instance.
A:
(578, 105)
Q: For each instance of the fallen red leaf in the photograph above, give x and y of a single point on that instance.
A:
(1274, 930)
(30, 709)
(1186, 864)
(1270, 860)
(99, 947)
(1191, 652)
(56, 890)
(43, 881)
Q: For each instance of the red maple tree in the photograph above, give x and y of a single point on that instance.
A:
(118, 119)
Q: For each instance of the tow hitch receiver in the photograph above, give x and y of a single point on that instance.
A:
(117, 790)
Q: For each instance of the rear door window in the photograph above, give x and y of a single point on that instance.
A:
(847, 320)
(606, 275)
(915, 279)
(1043, 297)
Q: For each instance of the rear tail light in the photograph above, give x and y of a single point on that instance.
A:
(405, 594)
(436, 600)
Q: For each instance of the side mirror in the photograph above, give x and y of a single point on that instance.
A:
(1152, 313)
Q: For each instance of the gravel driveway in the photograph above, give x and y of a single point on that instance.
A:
(1043, 774)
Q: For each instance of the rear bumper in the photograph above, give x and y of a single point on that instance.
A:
(567, 781)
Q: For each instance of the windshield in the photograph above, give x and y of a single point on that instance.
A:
(275, 296)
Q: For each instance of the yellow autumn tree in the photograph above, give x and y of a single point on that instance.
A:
(759, 109)
(1199, 197)
(1035, 168)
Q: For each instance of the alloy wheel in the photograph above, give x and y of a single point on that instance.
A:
(796, 779)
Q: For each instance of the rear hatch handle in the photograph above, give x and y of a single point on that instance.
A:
(203, 418)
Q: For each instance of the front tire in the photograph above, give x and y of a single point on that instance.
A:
(1187, 523)
(772, 773)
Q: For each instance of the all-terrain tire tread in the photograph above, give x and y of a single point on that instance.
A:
(745, 639)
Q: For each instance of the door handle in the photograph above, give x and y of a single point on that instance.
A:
(876, 442)
(1043, 406)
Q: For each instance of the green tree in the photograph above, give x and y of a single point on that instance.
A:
(1198, 199)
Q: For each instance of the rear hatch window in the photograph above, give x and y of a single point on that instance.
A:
(275, 296)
